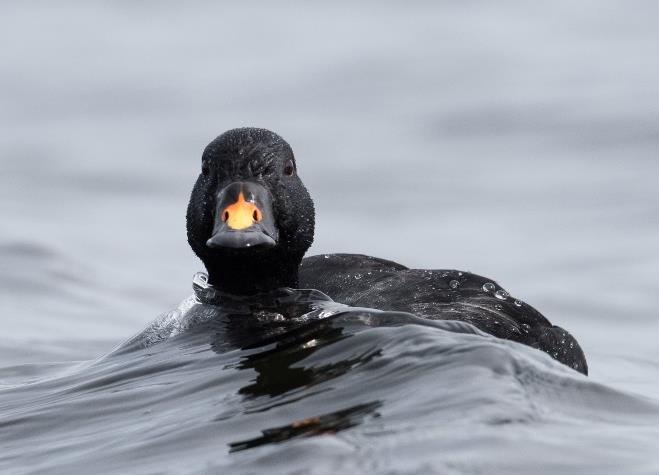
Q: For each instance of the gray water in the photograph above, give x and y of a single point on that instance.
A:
(518, 141)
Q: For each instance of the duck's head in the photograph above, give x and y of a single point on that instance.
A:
(250, 219)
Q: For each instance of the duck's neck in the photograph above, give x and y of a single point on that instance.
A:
(245, 277)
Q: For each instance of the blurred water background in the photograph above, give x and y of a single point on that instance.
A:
(512, 139)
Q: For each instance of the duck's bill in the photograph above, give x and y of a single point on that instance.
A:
(243, 217)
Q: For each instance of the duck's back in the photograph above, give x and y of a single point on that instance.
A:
(365, 281)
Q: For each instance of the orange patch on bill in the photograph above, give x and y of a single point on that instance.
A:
(241, 214)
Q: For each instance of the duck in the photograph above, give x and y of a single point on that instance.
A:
(251, 220)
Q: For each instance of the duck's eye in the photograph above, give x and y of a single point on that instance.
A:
(205, 168)
(289, 168)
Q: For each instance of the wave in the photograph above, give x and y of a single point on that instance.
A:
(336, 388)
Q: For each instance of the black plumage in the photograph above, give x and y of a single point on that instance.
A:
(262, 157)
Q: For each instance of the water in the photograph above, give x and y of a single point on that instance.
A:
(307, 384)
(515, 141)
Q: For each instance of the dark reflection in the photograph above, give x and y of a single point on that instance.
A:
(280, 329)
(274, 348)
(277, 373)
(277, 332)
(325, 424)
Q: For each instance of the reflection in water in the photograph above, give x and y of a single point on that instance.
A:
(276, 370)
(320, 425)
(283, 332)
(277, 331)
